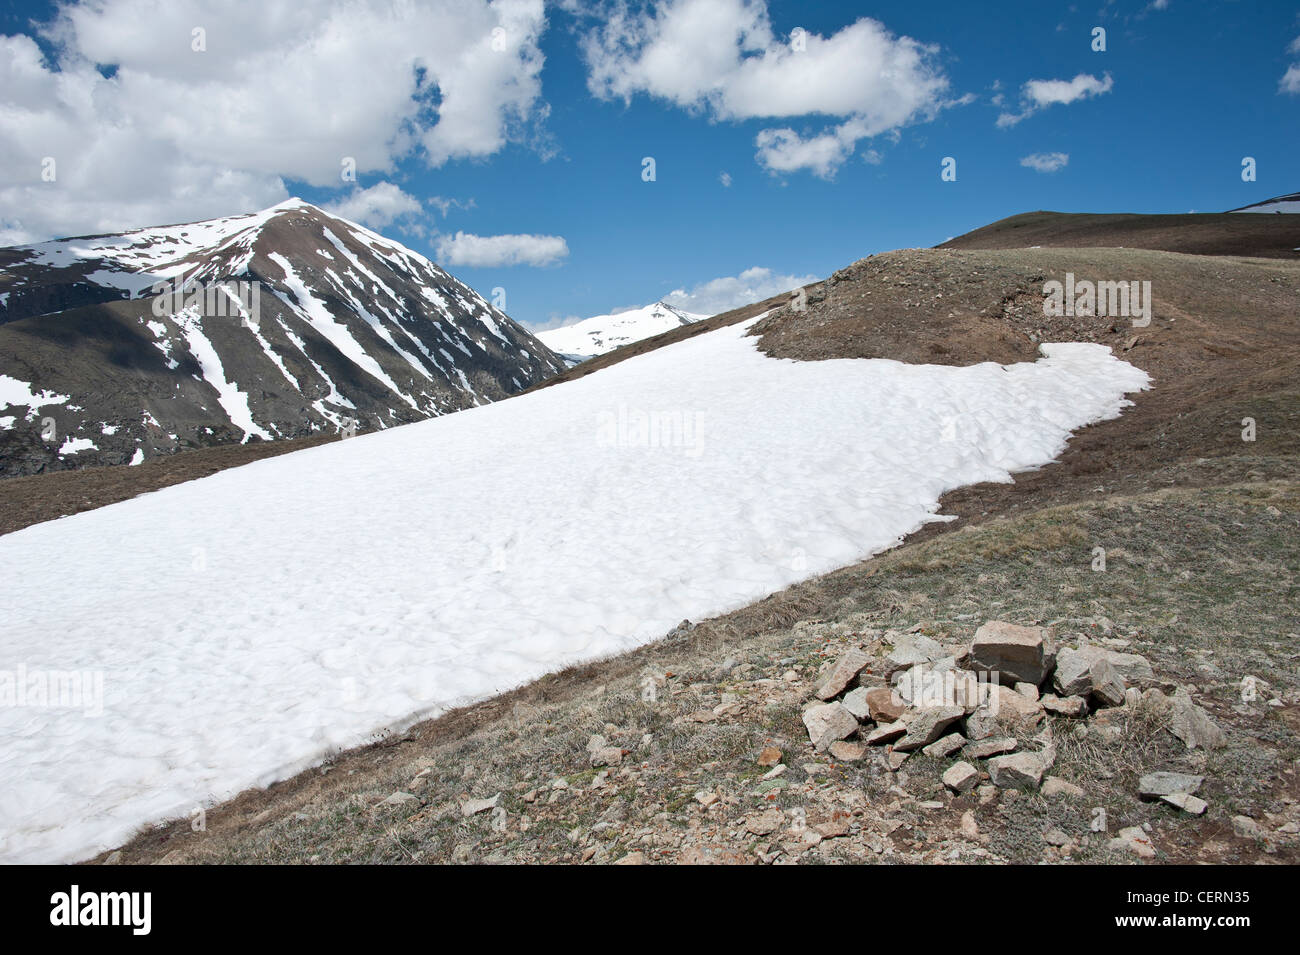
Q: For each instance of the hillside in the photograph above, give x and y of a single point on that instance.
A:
(1224, 233)
(281, 324)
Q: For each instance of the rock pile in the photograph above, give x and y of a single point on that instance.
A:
(985, 704)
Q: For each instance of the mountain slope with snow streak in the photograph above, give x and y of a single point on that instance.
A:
(1289, 203)
(358, 586)
(604, 333)
(351, 330)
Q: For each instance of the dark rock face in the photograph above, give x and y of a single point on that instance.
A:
(289, 322)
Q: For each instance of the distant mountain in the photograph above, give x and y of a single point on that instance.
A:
(1289, 203)
(276, 324)
(604, 333)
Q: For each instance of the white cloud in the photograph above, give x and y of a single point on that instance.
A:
(721, 58)
(490, 251)
(378, 206)
(1039, 94)
(723, 294)
(1290, 82)
(285, 89)
(1046, 162)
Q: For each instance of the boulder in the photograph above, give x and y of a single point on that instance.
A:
(827, 723)
(846, 668)
(1017, 654)
(911, 649)
(1132, 667)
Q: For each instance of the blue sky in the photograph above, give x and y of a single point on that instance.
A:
(1159, 122)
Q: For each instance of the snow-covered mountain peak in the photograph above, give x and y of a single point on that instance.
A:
(603, 333)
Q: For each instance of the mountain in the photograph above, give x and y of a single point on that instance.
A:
(1290, 203)
(604, 333)
(277, 324)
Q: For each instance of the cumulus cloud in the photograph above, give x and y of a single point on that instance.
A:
(1290, 82)
(377, 206)
(721, 58)
(728, 292)
(278, 90)
(491, 251)
(1045, 162)
(1039, 94)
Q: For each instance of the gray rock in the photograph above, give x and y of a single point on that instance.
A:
(1074, 707)
(1187, 803)
(1132, 667)
(474, 806)
(1107, 685)
(994, 746)
(1016, 771)
(945, 746)
(961, 777)
(1056, 786)
(855, 701)
(827, 723)
(911, 649)
(846, 668)
(927, 725)
(1193, 725)
(1017, 654)
(1155, 785)
(886, 733)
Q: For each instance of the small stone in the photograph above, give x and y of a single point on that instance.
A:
(961, 777)
(846, 668)
(770, 756)
(400, 798)
(994, 746)
(1017, 654)
(945, 746)
(1055, 837)
(1246, 827)
(1016, 771)
(777, 770)
(1029, 690)
(969, 827)
(1056, 786)
(847, 752)
(1155, 785)
(912, 649)
(632, 858)
(113, 858)
(886, 733)
(474, 806)
(895, 760)
(1073, 665)
(1187, 802)
(1072, 707)
(836, 826)
(827, 723)
(1135, 840)
(765, 823)
(1193, 725)
(884, 705)
(712, 855)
